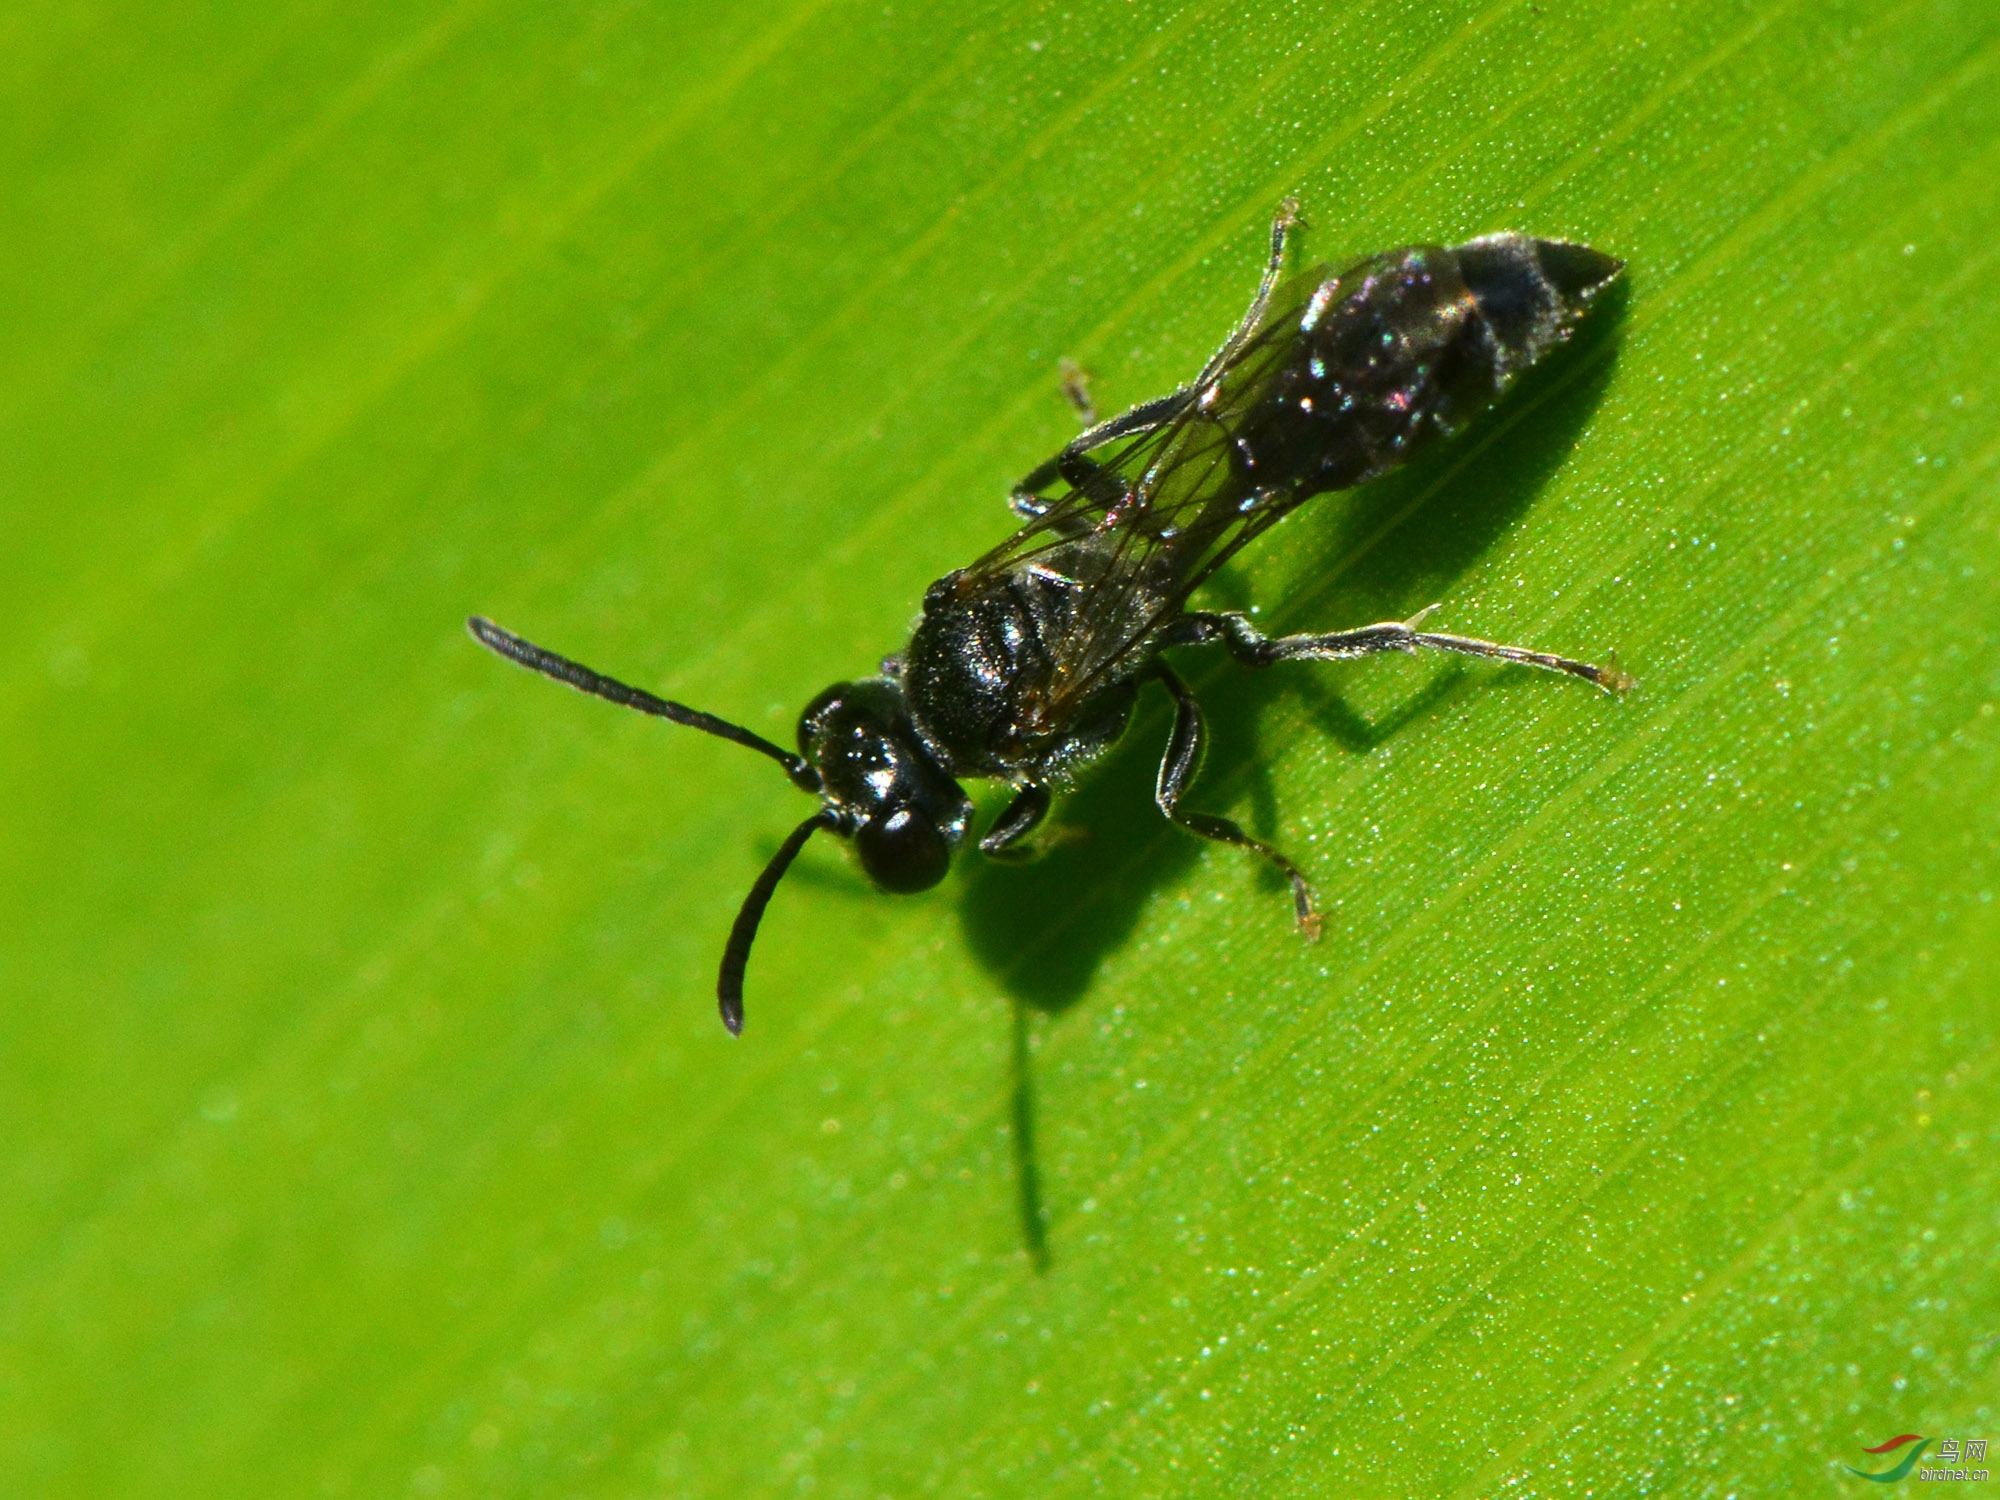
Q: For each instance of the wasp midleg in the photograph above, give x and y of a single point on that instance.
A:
(1071, 465)
(1178, 767)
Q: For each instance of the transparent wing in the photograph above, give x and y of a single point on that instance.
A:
(1141, 522)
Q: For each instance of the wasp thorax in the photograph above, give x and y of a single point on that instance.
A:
(905, 814)
(981, 681)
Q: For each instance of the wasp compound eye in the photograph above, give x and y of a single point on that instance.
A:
(904, 852)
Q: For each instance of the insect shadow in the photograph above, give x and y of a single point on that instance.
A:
(1043, 929)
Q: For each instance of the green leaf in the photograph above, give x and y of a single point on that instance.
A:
(367, 1128)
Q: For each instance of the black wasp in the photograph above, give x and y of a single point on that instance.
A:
(1026, 664)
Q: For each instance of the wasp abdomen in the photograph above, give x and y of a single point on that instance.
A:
(1407, 346)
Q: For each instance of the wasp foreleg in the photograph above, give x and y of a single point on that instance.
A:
(1021, 817)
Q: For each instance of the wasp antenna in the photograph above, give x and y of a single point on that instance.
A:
(736, 953)
(536, 659)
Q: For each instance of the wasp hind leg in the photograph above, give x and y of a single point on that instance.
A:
(1254, 649)
(1178, 767)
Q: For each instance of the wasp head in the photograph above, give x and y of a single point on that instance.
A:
(907, 817)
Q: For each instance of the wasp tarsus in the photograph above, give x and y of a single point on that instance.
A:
(1076, 390)
(1027, 664)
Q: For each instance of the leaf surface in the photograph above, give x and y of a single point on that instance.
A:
(369, 1130)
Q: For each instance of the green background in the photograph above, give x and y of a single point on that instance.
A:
(365, 1125)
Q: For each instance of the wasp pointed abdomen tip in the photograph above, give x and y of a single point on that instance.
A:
(1577, 272)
